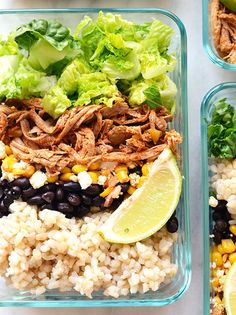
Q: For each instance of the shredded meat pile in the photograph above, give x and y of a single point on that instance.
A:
(84, 134)
(223, 26)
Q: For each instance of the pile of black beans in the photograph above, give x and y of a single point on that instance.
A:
(67, 197)
(221, 218)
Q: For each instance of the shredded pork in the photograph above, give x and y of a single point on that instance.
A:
(84, 134)
(223, 26)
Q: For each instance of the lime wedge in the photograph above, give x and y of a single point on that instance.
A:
(149, 208)
(230, 291)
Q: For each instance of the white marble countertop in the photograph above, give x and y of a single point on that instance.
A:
(202, 75)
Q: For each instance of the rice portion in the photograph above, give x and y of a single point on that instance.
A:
(223, 181)
(42, 250)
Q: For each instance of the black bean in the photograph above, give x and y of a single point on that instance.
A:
(27, 193)
(36, 200)
(48, 206)
(60, 195)
(116, 202)
(22, 182)
(137, 170)
(228, 216)
(69, 215)
(1, 192)
(124, 187)
(93, 190)
(97, 201)
(71, 187)
(7, 200)
(48, 196)
(48, 187)
(16, 191)
(217, 237)
(221, 205)
(221, 225)
(3, 208)
(225, 235)
(73, 199)
(81, 211)
(172, 225)
(64, 207)
(4, 183)
(217, 215)
(86, 200)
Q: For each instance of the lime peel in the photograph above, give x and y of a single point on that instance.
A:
(149, 208)
(230, 291)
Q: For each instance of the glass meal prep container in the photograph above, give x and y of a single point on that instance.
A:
(224, 90)
(208, 42)
(167, 293)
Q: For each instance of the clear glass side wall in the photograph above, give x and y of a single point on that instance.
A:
(225, 90)
(168, 293)
(208, 40)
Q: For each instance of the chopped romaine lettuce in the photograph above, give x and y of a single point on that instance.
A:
(105, 57)
(56, 102)
(95, 87)
(68, 80)
(33, 82)
(46, 42)
(159, 92)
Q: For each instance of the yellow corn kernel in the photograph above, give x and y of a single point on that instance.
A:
(66, 177)
(232, 258)
(215, 282)
(232, 229)
(228, 246)
(217, 300)
(145, 169)
(220, 249)
(214, 272)
(123, 177)
(95, 166)
(131, 190)
(122, 173)
(78, 168)
(106, 192)
(66, 170)
(217, 259)
(225, 258)
(105, 172)
(27, 172)
(121, 167)
(8, 150)
(52, 179)
(155, 135)
(141, 181)
(94, 176)
(8, 162)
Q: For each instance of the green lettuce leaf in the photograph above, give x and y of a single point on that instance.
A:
(47, 42)
(32, 82)
(158, 92)
(8, 67)
(68, 80)
(96, 88)
(55, 102)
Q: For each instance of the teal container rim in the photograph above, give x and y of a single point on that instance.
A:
(206, 41)
(205, 187)
(187, 243)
